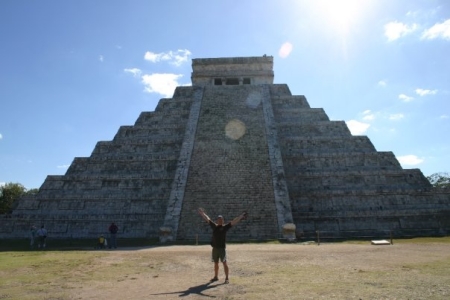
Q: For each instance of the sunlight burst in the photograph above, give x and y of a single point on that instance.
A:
(342, 14)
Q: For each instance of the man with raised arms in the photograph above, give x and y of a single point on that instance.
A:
(218, 241)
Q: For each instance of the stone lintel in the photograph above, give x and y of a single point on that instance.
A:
(244, 70)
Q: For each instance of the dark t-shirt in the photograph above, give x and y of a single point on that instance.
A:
(113, 229)
(219, 235)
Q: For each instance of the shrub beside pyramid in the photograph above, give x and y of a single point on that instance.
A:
(234, 141)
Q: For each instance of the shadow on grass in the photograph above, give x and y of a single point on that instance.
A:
(197, 290)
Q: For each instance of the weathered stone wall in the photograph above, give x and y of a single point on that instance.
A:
(230, 148)
(259, 69)
(127, 180)
(341, 186)
(169, 231)
(230, 175)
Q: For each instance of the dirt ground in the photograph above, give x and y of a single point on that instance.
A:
(277, 271)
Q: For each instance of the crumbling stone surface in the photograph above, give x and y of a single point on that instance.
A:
(127, 180)
(230, 172)
(341, 186)
(235, 142)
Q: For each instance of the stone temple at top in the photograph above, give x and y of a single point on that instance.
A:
(234, 141)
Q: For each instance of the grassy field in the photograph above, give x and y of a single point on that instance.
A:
(409, 269)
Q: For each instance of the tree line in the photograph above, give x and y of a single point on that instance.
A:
(440, 180)
(11, 192)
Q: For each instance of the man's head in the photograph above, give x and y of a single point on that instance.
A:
(220, 220)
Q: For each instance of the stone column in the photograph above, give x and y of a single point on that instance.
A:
(280, 188)
(168, 232)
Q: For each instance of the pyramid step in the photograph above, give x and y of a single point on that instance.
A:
(285, 103)
(314, 129)
(137, 146)
(342, 161)
(314, 144)
(279, 90)
(299, 116)
(123, 167)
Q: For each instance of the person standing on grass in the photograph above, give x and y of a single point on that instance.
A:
(218, 241)
(42, 236)
(113, 232)
(33, 232)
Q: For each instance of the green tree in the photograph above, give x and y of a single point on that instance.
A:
(440, 180)
(9, 193)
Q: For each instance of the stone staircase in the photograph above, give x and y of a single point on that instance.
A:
(226, 175)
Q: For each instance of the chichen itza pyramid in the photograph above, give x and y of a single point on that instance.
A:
(235, 141)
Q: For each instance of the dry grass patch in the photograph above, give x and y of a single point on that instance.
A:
(405, 270)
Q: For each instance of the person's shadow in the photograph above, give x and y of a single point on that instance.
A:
(199, 289)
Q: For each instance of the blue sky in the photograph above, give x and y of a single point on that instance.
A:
(72, 72)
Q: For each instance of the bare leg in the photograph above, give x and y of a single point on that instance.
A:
(216, 269)
(225, 268)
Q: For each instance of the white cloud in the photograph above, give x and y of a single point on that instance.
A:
(163, 84)
(412, 13)
(357, 128)
(1, 136)
(63, 166)
(405, 98)
(369, 117)
(441, 117)
(101, 58)
(396, 117)
(174, 57)
(395, 30)
(382, 83)
(2, 183)
(135, 71)
(439, 30)
(153, 57)
(182, 57)
(410, 160)
(422, 92)
(285, 50)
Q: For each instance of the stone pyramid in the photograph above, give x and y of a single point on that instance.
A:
(234, 141)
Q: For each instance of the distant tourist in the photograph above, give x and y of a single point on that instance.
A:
(101, 242)
(42, 236)
(33, 231)
(113, 232)
(218, 241)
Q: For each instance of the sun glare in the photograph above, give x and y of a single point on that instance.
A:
(341, 14)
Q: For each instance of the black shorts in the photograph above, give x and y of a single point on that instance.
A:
(219, 253)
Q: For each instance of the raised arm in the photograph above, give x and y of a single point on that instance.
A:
(239, 218)
(204, 215)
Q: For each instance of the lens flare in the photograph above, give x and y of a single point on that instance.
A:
(235, 129)
(253, 100)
